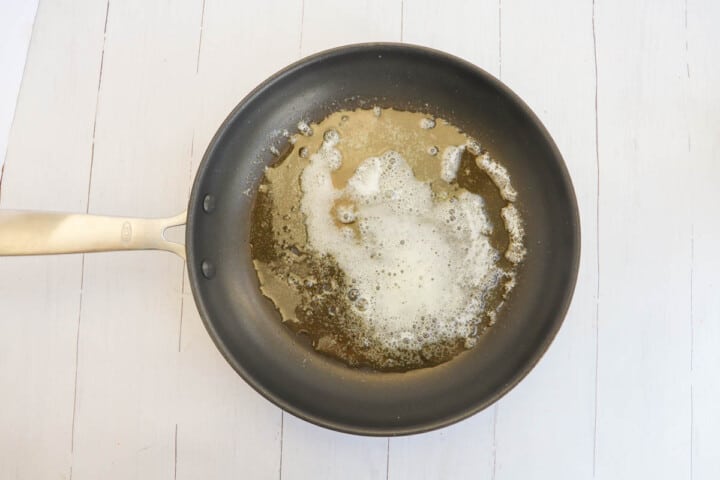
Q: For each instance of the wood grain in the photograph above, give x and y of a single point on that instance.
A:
(643, 406)
(47, 167)
(127, 381)
(702, 159)
(327, 24)
(15, 30)
(473, 35)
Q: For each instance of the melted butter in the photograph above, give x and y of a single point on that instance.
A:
(310, 291)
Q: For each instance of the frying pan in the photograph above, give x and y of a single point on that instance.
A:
(244, 324)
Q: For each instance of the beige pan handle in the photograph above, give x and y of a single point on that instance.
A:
(46, 233)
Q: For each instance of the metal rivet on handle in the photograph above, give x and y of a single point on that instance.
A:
(208, 269)
(209, 203)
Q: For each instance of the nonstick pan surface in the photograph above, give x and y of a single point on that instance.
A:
(246, 327)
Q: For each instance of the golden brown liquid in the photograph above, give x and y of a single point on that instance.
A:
(311, 292)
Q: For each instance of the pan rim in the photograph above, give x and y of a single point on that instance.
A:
(540, 349)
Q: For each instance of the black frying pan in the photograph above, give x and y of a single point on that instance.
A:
(245, 326)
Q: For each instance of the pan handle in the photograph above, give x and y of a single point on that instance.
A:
(46, 233)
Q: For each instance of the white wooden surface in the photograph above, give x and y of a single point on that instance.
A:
(15, 30)
(105, 368)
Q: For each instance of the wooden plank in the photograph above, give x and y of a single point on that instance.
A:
(466, 28)
(463, 450)
(327, 24)
(703, 153)
(127, 390)
(305, 448)
(242, 44)
(47, 166)
(473, 35)
(311, 452)
(226, 429)
(644, 338)
(15, 31)
(545, 427)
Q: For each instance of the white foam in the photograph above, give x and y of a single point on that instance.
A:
(415, 261)
(499, 176)
(451, 162)
(473, 146)
(427, 123)
(513, 224)
(304, 128)
(509, 284)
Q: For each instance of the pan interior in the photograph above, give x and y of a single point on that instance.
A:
(247, 328)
